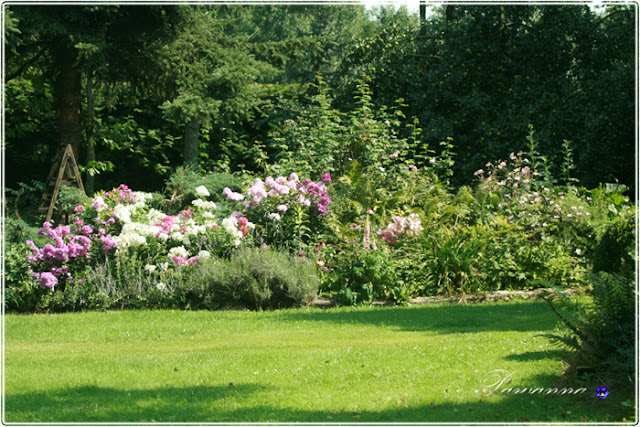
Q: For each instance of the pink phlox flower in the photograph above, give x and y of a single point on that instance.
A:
(84, 240)
(282, 189)
(325, 201)
(187, 213)
(179, 260)
(48, 280)
(236, 197)
(107, 243)
(326, 177)
(87, 229)
(193, 260)
(78, 209)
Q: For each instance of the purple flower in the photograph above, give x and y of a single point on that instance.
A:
(108, 243)
(602, 392)
(48, 280)
(326, 177)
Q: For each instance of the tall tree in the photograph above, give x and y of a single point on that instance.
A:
(209, 72)
(65, 41)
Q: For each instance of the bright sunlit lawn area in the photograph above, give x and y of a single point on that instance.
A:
(400, 364)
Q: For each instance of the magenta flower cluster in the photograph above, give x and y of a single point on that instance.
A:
(55, 262)
(305, 193)
(122, 194)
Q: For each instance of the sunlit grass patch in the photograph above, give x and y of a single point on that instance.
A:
(418, 364)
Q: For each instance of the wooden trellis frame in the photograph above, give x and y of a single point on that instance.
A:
(65, 163)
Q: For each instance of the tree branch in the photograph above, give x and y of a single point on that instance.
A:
(601, 20)
(26, 65)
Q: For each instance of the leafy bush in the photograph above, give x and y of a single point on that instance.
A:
(617, 245)
(70, 197)
(603, 336)
(259, 278)
(181, 185)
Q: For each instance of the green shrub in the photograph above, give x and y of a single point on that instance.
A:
(616, 246)
(257, 278)
(21, 291)
(181, 185)
(17, 232)
(70, 197)
(360, 276)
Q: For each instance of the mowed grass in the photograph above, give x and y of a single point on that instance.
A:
(400, 364)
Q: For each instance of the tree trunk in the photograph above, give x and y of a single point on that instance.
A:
(69, 86)
(191, 132)
(90, 179)
(423, 18)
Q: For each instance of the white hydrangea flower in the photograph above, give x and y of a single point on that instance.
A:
(204, 255)
(122, 213)
(128, 240)
(150, 268)
(202, 191)
(230, 226)
(154, 216)
(178, 251)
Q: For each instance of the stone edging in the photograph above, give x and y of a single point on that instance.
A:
(471, 298)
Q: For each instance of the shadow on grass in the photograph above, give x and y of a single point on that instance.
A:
(445, 319)
(536, 355)
(246, 403)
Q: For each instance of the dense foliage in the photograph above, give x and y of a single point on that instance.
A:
(278, 152)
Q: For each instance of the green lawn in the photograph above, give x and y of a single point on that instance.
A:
(404, 364)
